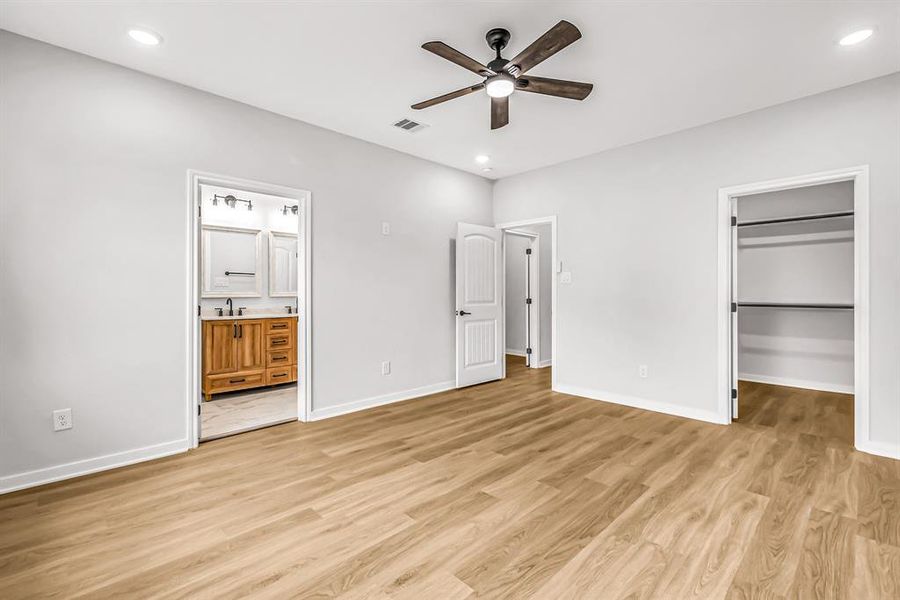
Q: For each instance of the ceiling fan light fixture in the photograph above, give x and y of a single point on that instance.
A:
(500, 85)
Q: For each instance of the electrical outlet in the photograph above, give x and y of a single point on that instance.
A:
(643, 371)
(386, 367)
(62, 419)
(385, 228)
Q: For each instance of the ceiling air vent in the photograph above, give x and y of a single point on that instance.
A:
(410, 126)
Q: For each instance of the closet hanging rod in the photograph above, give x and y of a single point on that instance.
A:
(795, 305)
(834, 215)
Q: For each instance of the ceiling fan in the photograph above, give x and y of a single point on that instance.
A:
(502, 76)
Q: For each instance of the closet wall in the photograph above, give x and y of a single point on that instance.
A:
(797, 262)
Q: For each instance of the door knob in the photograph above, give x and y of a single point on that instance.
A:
(462, 313)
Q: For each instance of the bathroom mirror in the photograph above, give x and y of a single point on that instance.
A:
(282, 264)
(230, 262)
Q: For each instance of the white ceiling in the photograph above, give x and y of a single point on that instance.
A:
(355, 67)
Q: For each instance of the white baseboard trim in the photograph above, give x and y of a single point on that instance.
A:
(28, 479)
(797, 383)
(356, 405)
(642, 403)
(880, 449)
(545, 363)
(515, 352)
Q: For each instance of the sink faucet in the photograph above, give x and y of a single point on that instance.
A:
(230, 307)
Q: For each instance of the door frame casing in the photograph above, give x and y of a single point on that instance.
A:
(554, 281)
(195, 179)
(534, 323)
(859, 175)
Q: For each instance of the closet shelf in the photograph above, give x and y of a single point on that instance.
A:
(806, 305)
(817, 217)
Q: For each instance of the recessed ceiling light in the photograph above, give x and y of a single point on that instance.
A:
(856, 37)
(482, 158)
(145, 36)
(487, 169)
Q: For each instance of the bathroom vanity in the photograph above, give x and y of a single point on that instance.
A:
(249, 351)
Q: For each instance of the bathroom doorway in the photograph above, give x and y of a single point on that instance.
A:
(249, 306)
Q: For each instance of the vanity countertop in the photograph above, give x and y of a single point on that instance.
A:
(260, 315)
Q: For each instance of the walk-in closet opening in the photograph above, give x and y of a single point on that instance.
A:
(528, 295)
(793, 326)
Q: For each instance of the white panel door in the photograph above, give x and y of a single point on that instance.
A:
(479, 304)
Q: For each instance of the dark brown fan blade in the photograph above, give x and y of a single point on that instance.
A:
(499, 112)
(450, 96)
(560, 35)
(455, 56)
(555, 87)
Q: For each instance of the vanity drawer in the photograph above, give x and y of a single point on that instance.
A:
(279, 341)
(279, 358)
(235, 381)
(277, 375)
(278, 325)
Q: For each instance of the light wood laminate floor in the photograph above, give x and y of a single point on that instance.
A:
(504, 490)
(237, 412)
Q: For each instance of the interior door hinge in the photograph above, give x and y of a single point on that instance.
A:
(198, 410)
(733, 221)
(734, 307)
(199, 210)
(527, 300)
(527, 350)
(528, 251)
(198, 310)
(733, 393)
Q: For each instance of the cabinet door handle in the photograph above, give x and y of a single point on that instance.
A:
(278, 342)
(274, 358)
(279, 375)
(234, 330)
(241, 380)
(240, 331)
(279, 326)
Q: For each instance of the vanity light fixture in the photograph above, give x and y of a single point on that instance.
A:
(231, 201)
(293, 209)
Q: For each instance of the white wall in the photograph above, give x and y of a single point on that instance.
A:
(797, 262)
(265, 216)
(94, 158)
(638, 230)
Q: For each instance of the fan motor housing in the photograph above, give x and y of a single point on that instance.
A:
(497, 39)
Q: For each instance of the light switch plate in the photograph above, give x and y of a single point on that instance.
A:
(565, 277)
(385, 228)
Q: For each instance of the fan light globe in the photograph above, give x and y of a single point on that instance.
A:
(500, 86)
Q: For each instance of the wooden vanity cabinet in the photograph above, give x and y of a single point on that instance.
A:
(241, 354)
